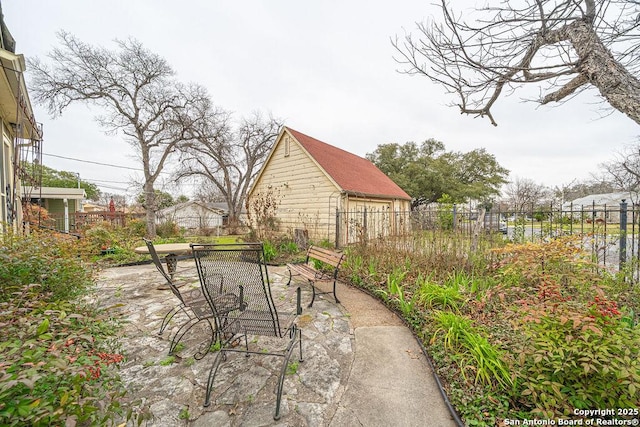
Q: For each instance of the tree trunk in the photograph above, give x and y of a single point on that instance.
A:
(619, 87)
(150, 207)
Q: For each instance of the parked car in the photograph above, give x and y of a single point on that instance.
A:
(494, 222)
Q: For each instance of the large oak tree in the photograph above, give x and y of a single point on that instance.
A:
(427, 171)
(563, 47)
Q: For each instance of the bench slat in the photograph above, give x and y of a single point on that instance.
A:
(308, 271)
(328, 257)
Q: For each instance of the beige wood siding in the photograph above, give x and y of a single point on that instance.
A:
(307, 197)
(373, 218)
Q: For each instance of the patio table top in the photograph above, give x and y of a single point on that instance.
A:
(167, 248)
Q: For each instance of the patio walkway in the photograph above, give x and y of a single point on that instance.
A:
(361, 366)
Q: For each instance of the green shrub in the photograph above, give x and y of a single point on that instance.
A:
(451, 327)
(50, 260)
(289, 247)
(168, 229)
(575, 360)
(135, 228)
(58, 357)
(270, 251)
(57, 364)
(280, 248)
(557, 333)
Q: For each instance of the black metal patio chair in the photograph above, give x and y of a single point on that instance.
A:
(192, 303)
(244, 274)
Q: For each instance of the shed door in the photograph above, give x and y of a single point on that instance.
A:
(367, 219)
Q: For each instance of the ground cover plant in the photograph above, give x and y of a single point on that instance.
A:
(58, 352)
(517, 331)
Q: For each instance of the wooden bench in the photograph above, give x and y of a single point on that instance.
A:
(331, 260)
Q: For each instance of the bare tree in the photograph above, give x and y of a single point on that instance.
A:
(227, 161)
(136, 93)
(563, 47)
(624, 169)
(525, 193)
(119, 201)
(576, 189)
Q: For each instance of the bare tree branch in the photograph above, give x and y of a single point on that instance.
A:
(228, 160)
(568, 45)
(135, 92)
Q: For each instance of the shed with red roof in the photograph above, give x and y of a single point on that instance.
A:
(305, 183)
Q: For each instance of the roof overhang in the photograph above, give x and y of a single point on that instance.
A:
(53, 193)
(15, 105)
(374, 196)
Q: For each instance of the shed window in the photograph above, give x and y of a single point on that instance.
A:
(287, 146)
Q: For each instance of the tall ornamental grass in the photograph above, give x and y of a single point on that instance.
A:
(516, 330)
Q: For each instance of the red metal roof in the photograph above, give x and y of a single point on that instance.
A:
(352, 173)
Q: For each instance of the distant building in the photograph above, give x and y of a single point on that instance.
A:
(192, 215)
(310, 180)
(60, 203)
(600, 207)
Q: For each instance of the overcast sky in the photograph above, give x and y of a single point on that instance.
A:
(325, 67)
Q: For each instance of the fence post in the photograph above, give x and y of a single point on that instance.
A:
(365, 226)
(623, 233)
(337, 229)
(453, 226)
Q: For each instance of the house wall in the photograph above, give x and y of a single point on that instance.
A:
(56, 206)
(6, 175)
(306, 197)
(192, 216)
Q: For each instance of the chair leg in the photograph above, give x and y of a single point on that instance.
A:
(313, 294)
(334, 293)
(212, 376)
(283, 372)
(290, 276)
(202, 353)
(167, 319)
(300, 344)
(180, 333)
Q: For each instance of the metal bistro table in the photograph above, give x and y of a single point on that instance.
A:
(171, 252)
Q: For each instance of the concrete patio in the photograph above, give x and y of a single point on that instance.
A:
(361, 365)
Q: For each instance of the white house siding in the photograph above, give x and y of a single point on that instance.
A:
(191, 216)
(599, 207)
(6, 175)
(307, 197)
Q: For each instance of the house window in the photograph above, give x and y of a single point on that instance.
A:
(287, 146)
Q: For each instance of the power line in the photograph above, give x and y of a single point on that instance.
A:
(103, 180)
(112, 188)
(95, 163)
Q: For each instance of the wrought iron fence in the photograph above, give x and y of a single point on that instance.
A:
(610, 232)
